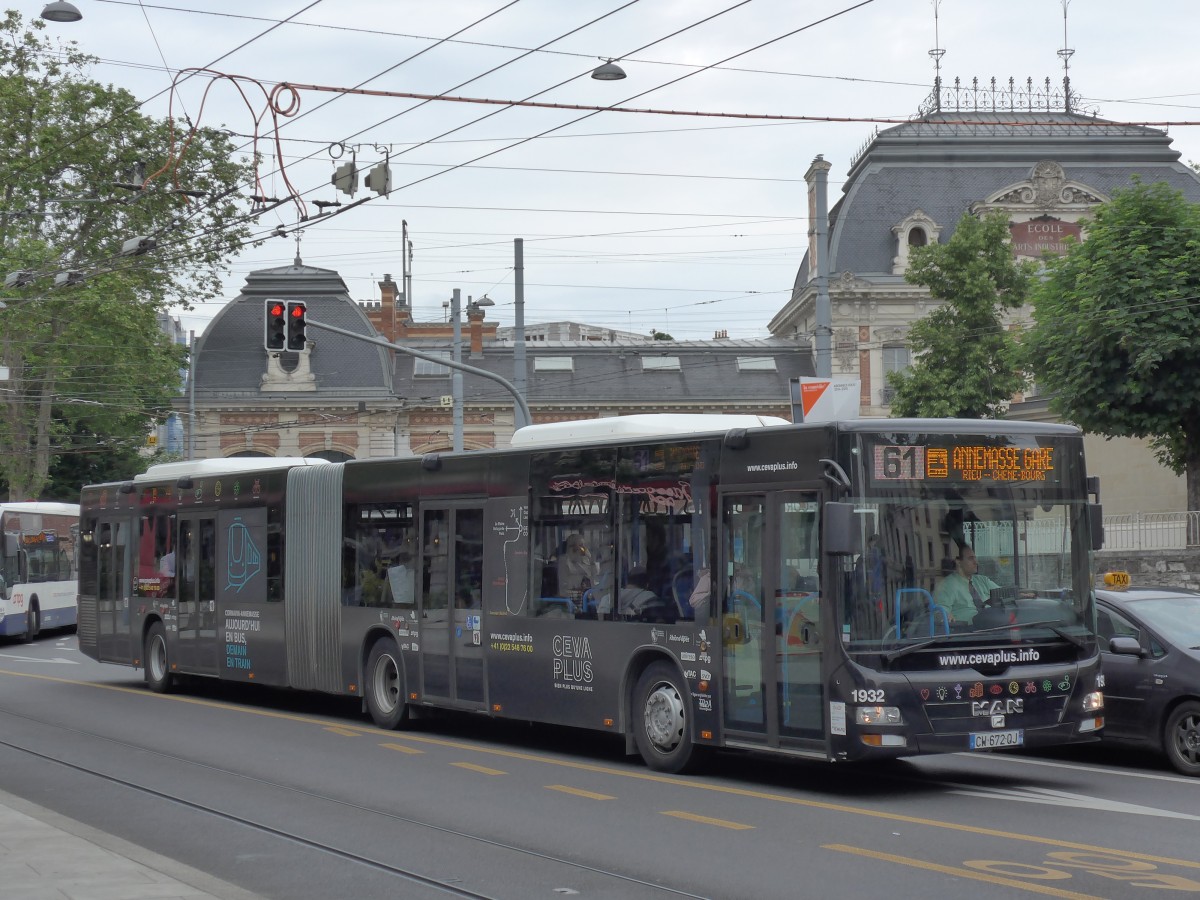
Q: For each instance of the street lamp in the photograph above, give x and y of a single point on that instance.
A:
(61, 11)
(483, 301)
(610, 71)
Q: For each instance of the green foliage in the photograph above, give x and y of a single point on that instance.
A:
(90, 357)
(965, 363)
(1115, 341)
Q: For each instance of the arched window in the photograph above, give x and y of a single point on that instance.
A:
(915, 230)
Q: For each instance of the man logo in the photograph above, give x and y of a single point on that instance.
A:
(997, 707)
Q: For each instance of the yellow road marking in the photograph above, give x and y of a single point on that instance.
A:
(962, 873)
(640, 775)
(483, 769)
(403, 748)
(343, 730)
(578, 792)
(707, 820)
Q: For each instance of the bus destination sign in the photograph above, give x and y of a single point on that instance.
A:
(964, 463)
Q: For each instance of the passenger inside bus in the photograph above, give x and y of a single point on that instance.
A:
(577, 568)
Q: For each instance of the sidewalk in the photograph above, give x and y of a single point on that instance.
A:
(44, 856)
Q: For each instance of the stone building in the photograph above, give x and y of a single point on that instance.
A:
(345, 398)
(971, 151)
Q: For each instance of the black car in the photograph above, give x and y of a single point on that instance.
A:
(1150, 638)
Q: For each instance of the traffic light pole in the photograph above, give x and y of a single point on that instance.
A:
(518, 401)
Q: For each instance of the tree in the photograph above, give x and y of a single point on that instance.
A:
(87, 353)
(966, 363)
(1114, 342)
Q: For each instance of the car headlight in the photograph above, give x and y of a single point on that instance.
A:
(1093, 702)
(878, 715)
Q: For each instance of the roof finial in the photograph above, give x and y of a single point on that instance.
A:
(1065, 55)
(937, 53)
(299, 234)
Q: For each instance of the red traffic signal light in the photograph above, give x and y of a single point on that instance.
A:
(275, 325)
(297, 325)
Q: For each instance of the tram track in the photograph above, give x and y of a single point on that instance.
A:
(401, 873)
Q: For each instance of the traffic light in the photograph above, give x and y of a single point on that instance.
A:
(297, 325)
(379, 179)
(345, 178)
(275, 325)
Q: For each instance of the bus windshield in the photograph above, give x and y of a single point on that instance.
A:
(974, 555)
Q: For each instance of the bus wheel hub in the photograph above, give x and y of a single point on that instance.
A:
(664, 717)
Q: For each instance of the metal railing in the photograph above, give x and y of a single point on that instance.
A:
(1152, 531)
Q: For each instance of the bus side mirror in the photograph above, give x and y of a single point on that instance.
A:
(1096, 521)
(839, 534)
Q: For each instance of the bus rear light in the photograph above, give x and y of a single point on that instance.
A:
(878, 715)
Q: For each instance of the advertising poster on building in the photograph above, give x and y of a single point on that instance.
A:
(824, 399)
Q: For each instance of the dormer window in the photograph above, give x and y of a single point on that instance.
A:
(916, 230)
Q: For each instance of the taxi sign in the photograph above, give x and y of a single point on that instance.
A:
(1116, 579)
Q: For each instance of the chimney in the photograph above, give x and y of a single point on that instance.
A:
(475, 323)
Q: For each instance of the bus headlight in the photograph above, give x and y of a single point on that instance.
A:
(878, 715)
(1093, 702)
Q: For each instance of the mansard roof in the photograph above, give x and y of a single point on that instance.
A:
(944, 162)
(230, 357)
(714, 375)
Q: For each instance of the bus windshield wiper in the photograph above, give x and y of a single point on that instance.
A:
(1052, 624)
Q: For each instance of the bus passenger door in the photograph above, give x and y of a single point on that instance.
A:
(114, 591)
(770, 624)
(451, 604)
(195, 573)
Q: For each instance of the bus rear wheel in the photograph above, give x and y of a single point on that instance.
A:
(158, 663)
(660, 719)
(384, 686)
(33, 623)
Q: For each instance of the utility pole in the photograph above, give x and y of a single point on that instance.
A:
(456, 383)
(522, 418)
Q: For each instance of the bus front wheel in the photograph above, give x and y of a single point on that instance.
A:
(158, 663)
(384, 686)
(660, 719)
(33, 623)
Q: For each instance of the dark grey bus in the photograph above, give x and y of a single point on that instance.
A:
(686, 584)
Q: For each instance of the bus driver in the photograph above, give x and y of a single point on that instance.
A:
(964, 591)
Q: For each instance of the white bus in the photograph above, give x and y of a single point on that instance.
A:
(38, 567)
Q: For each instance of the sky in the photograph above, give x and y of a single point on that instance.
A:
(637, 221)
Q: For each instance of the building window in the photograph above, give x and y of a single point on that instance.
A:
(915, 230)
(553, 364)
(756, 363)
(424, 368)
(895, 358)
(660, 363)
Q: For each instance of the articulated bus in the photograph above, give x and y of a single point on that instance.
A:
(38, 574)
(685, 583)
